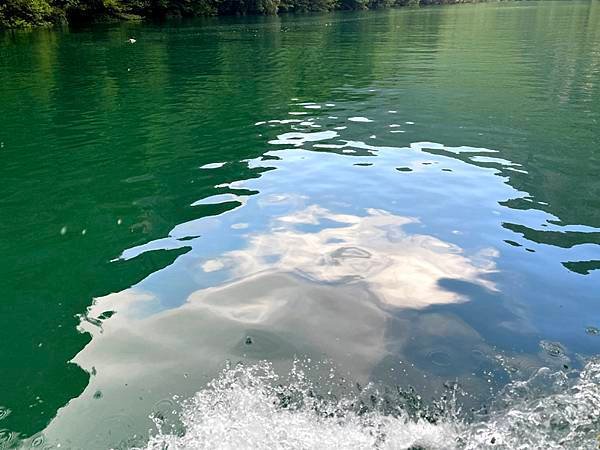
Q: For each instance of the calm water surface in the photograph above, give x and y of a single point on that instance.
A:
(409, 198)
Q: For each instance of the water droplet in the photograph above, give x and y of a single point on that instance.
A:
(452, 385)
(164, 410)
(592, 331)
(63, 230)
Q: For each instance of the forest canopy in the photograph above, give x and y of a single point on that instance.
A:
(27, 13)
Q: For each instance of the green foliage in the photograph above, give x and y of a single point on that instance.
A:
(89, 10)
(307, 5)
(377, 4)
(354, 4)
(26, 13)
(184, 8)
(225, 7)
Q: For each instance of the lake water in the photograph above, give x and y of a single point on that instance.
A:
(390, 219)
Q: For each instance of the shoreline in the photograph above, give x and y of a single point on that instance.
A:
(36, 14)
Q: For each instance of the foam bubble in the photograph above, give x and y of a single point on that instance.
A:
(549, 411)
(251, 407)
(246, 408)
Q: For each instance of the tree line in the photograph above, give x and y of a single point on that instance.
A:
(28, 13)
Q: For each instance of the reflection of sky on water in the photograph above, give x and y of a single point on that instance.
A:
(307, 261)
(126, 170)
(439, 213)
(401, 269)
(325, 294)
(138, 364)
(310, 201)
(441, 181)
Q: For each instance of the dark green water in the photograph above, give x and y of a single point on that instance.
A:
(434, 215)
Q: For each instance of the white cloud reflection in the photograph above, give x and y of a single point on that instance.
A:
(400, 268)
(315, 284)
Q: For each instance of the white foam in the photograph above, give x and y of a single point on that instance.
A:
(243, 409)
(248, 407)
(548, 411)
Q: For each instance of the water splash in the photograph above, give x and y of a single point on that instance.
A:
(251, 407)
(551, 410)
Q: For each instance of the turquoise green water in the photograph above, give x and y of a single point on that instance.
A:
(411, 195)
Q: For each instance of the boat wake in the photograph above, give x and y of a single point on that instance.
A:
(252, 407)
